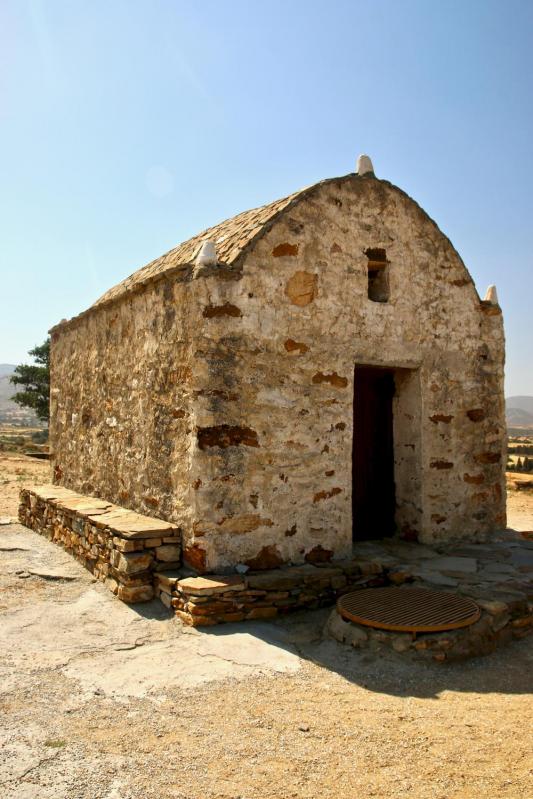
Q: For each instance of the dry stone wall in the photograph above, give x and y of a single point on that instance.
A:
(122, 549)
(120, 403)
(216, 599)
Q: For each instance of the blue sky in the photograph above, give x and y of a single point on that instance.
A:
(126, 127)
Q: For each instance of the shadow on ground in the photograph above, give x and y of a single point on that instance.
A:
(54, 615)
(508, 670)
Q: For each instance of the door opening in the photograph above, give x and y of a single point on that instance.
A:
(373, 491)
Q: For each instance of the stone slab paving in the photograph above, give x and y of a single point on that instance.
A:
(79, 629)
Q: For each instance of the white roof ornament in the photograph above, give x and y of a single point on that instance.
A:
(491, 296)
(207, 254)
(364, 165)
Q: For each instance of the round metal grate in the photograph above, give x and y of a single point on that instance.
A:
(413, 610)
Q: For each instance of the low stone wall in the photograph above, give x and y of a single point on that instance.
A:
(214, 599)
(499, 623)
(138, 557)
(497, 575)
(121, 548)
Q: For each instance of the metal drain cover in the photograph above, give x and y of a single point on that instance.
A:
(412, 610)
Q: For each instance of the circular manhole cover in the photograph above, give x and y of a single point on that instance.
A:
(413, 610)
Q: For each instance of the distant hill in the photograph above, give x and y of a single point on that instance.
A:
(519, 412)
(10, 412)
(7, 389)
(518, 418)
(6, 369)
(522, 403)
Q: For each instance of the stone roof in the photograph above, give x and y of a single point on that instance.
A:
(230, 238)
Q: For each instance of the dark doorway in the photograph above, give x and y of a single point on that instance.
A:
(373, 500)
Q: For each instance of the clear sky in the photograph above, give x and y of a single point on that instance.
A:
(127, 126)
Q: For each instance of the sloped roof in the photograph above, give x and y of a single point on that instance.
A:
(230, 237)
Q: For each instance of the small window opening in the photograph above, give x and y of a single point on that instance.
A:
(378, 275)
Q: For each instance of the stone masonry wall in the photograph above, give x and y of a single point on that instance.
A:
(120, 397)
(122, 549)
(216, 599)
(272, 464)
(222, 400)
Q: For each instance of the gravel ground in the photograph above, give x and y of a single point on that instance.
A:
(102, 701)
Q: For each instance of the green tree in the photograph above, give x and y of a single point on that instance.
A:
(36, 382)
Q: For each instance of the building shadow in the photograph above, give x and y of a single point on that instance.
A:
(154, 610)
(508, 670)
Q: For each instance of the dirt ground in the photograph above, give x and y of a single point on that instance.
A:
(520, 502)
(103, 701)
(17, 471)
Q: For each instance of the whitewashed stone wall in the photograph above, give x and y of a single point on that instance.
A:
(224, 400)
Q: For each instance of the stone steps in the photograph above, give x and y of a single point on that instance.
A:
(216, 599)
(139, 557)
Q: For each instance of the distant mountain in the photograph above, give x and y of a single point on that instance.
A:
(518, 418)
(6, 369)
(519, 413)
(522, 403)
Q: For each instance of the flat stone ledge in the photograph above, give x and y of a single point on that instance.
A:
(123, 549)
(208, 586)
(104, 515)
(497, 575)
(217, 598)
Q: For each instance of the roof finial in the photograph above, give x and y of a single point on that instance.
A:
(491, 295)
(207, 254)
(364, 165)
